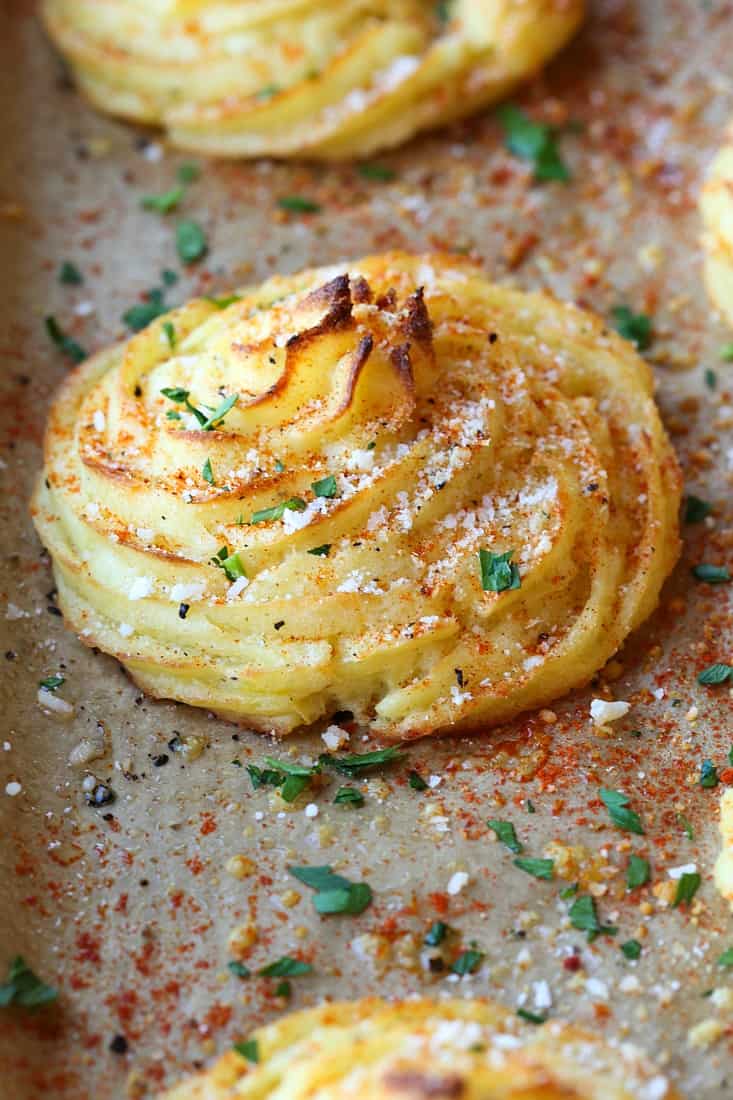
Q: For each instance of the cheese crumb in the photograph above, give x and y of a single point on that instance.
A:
(602, 712)
(13, 788)
(334, 737)
(140, 588)
(457, 882)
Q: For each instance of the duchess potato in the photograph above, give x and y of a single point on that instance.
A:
(390, 488)
(302, 77)
(716, 204)
(426, 1050)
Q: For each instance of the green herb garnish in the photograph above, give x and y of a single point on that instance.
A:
(295, 504)
(540, 868)
(687, 887)
(637, 872)
(349, 796)
(326, 487)
(238, 969)
(334, 893)
(636, 327)
(286, 967)
(711, 574)
(436, 934)
(631, 949)
(321, 551)
(165, 203)
(506, 834)
(22, 987)
(498, 572)
(249, 1049)
(70, 275)
(531, 1017)
(708, 774)
(416, 781)
(583, 916)
(467, 962)
(534, 142)
(65, 343)
(380, 172)
(140, 315)
(190, 242)
(696, 509)
(52, 682)
(298, 204)
(617, 805)
(715, 674)
(357, 762)
(188, 172)
(207, 473)
(726, 959)
(686, 826)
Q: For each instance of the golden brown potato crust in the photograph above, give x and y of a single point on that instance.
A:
(300, 77)
(426, 1050)
(429, 500)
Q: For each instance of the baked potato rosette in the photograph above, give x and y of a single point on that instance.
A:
(716, 205)
(426, 1050)
(388, 487)
(298, 77)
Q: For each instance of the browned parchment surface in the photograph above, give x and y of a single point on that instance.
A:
(130, 916)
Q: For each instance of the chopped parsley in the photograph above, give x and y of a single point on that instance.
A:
(357, 762)
(249, 1049)
(210, 419)
(326, 487)
(530, 807)
(636, 327)
(140, 315)
(188, 172)
(207, 473)
(416, 781)
(686, 826)
(65, 343)
(436, 934)
(334, 893)
(583, 916)
(631, 949)
(687, 886)
(531, 1017)
(616, 802)
(711, 378)
(226, 300)
(498, 572)
(52, 682)
(170, 334)
(637, 872)
(726, 959)
(165, 203)
(349, 796)
(70, 275)
(268, 91)
(298, 204)
(708, 774)
(292, 779)
(506, 834)
(231, 563)
(534, 142)
(569, 891)
(711, 574)
(23, 987)
(726, 353)
(467, 962)
(715, 674)
(238, 969)
(540, 868)
(190, 242)
(284, 989)
(380, 172)
(321, 551)
(286, 967)
(696, 509)
(295, 504)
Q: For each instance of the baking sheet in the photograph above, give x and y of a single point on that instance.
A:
(129, 916)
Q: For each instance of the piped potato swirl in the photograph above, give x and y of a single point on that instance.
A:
(300, 77)
(425, 1049)
(388, 487)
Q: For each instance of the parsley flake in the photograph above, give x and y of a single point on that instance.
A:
(708, 774)
(534, 142)
(249, 1049)
(631, 949)
(69, 274)
(165, 203)
(326, 487)
(711, 574)
(696, 509)
(188, 172)
(715, 674)
(635, 327)
(540, 868)
(190, 242)
(298, 204)
(321, 551)
(436, 934)
(295, 504)
(23, 987)
(65, 343)
(140, 315)
(637, 872)
(238, 969)
(583, 916)
(348, 796)
(506, 833)
(286, 967)
(498, 572)
(378, 172)
(726, 959)
(467, 962)
(207, 473)
(334, 893)
(687, 886)
(357, 762)
(686, 826)
(531, 1017)
(52, 682)
(416, 781)
(616, 802)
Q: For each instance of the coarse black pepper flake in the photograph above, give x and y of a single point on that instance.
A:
(160, 760)
(279, 624)
(183, 609)
(53, 610)
(118, 1044)
(459, 676)
(10, 654)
